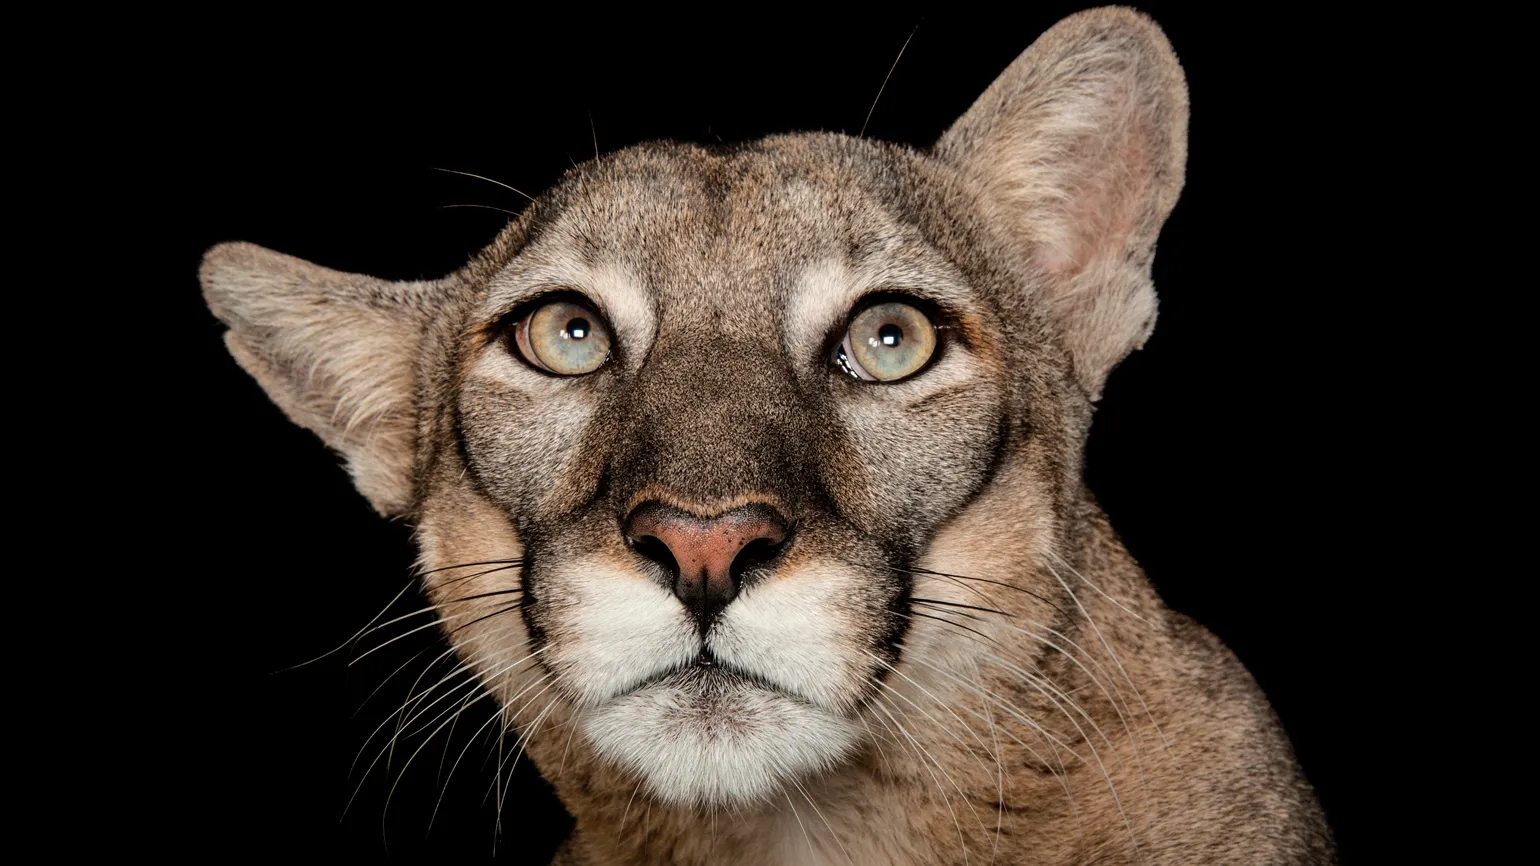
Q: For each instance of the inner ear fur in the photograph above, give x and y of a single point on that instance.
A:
(336, 351)
(1079, 150)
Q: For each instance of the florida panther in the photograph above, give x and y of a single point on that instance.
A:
(748, 481)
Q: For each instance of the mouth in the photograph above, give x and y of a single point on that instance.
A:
(706, 677)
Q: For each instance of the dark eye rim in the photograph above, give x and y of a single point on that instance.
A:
(942, 322)
(508, 325)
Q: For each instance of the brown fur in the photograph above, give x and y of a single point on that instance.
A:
(955, 660)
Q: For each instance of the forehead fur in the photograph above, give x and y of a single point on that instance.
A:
(732, 228)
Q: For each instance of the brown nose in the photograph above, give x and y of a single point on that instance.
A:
(706, 556)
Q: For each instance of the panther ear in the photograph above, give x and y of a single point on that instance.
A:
(337, 352)
(1079, 150)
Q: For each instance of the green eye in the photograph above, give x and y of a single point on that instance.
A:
(887, 342)
(563, 337)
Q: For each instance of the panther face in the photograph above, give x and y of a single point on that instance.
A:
(719, 404)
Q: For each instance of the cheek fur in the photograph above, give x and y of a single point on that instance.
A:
(527, 446)
(610, 629)
(471, 559)
(921, 453)
(808, 632)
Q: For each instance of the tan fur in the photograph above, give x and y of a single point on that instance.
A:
(333, 350)
(954, 661)
(1088, 176)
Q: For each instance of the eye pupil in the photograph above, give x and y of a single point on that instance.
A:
(890, 335)
(577, 329)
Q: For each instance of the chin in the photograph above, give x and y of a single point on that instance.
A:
(709, 738)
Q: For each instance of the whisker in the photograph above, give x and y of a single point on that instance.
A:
(410, 707)
(926, 760)
(884, 86)
(494, 717)
(409, 632)
(438, 775)
(833, 834)
(939, 703)
(361, 632)
(940, 619)
(390, 747)
(432, 608)
(464, 598)
(402, 774)
(1122, 717)
(398, 670)
(480, 206)
(811, 851)
(1038, 681)
(1114, 696)
(1111, 788)
(1087, 582)
(1012, 587)
(465, 577)
(487, 179)
(499, 612)
(994, 738)
(990, 698)
(959, 604)
(627, 813)
(515, 561)
(470, 681)
(1111, 652)
(561, 768)
(519, 744)
(947, 610)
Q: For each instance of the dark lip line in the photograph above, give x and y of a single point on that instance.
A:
(705, 660)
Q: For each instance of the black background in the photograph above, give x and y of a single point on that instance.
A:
(1236, 454)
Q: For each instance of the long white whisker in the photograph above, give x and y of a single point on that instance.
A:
(1114, 696)
(937, 701)
(1111, 652)
(993, 699)
(819, 812)
(487, 179)
(926, 760)
(493, 718)
(812, 852)
(361, 632)
(1087, 582)
(1038, 683)
(390, 746)
(624, 815)
(470, 681)
(884, 86)
(441, 620)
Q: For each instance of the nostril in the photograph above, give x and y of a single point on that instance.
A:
(756, 553)
(654, 549)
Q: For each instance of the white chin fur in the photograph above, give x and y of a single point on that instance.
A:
(702, 739)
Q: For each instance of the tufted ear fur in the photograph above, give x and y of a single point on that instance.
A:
(337, 352)
(1079, 148)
